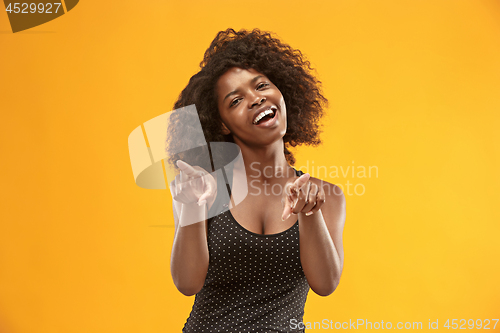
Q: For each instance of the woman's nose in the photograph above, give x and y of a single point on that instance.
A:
(258, 101)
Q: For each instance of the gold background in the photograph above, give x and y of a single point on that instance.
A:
(413, 89)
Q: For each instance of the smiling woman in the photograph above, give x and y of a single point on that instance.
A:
(251, 265)
(255, 110)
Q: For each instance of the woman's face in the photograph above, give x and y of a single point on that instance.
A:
(251, 107)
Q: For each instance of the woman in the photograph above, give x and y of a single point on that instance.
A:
(251, 266)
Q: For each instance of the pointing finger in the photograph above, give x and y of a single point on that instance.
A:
(189, 170)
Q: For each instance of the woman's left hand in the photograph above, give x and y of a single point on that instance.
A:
(302, 196)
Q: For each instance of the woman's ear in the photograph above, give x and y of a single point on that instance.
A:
(225, 130)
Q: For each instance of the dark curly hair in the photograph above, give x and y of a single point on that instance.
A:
(286, 67)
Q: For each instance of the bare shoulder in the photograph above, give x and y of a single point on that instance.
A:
(333, 192)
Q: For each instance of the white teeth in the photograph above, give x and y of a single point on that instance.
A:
(262, 115)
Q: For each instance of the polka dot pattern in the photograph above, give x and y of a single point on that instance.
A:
(254, 283)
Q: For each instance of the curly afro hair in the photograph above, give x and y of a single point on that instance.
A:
(286, 67)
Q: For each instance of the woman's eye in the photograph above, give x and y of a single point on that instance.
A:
(262, 85)
(234, 102)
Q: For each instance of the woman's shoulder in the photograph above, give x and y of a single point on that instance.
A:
(332, 191)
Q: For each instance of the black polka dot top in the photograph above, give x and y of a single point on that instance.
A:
(254, 283)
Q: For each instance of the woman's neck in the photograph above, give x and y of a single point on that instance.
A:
(266, 163)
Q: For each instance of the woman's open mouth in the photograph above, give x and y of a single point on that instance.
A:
(266, 118)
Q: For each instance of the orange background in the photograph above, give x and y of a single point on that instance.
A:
(413, 89)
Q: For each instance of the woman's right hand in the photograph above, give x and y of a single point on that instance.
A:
(194, 184)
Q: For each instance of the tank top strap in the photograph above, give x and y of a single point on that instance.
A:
(298, 172)
(228, 179)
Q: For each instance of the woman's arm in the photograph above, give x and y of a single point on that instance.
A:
(194, 191)
(189, 259)
(321, 248)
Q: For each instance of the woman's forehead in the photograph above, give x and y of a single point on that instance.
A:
(235, 77)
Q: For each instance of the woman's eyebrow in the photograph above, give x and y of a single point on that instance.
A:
(236, 91)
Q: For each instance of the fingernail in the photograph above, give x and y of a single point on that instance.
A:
(309, 213)
(201, 203)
